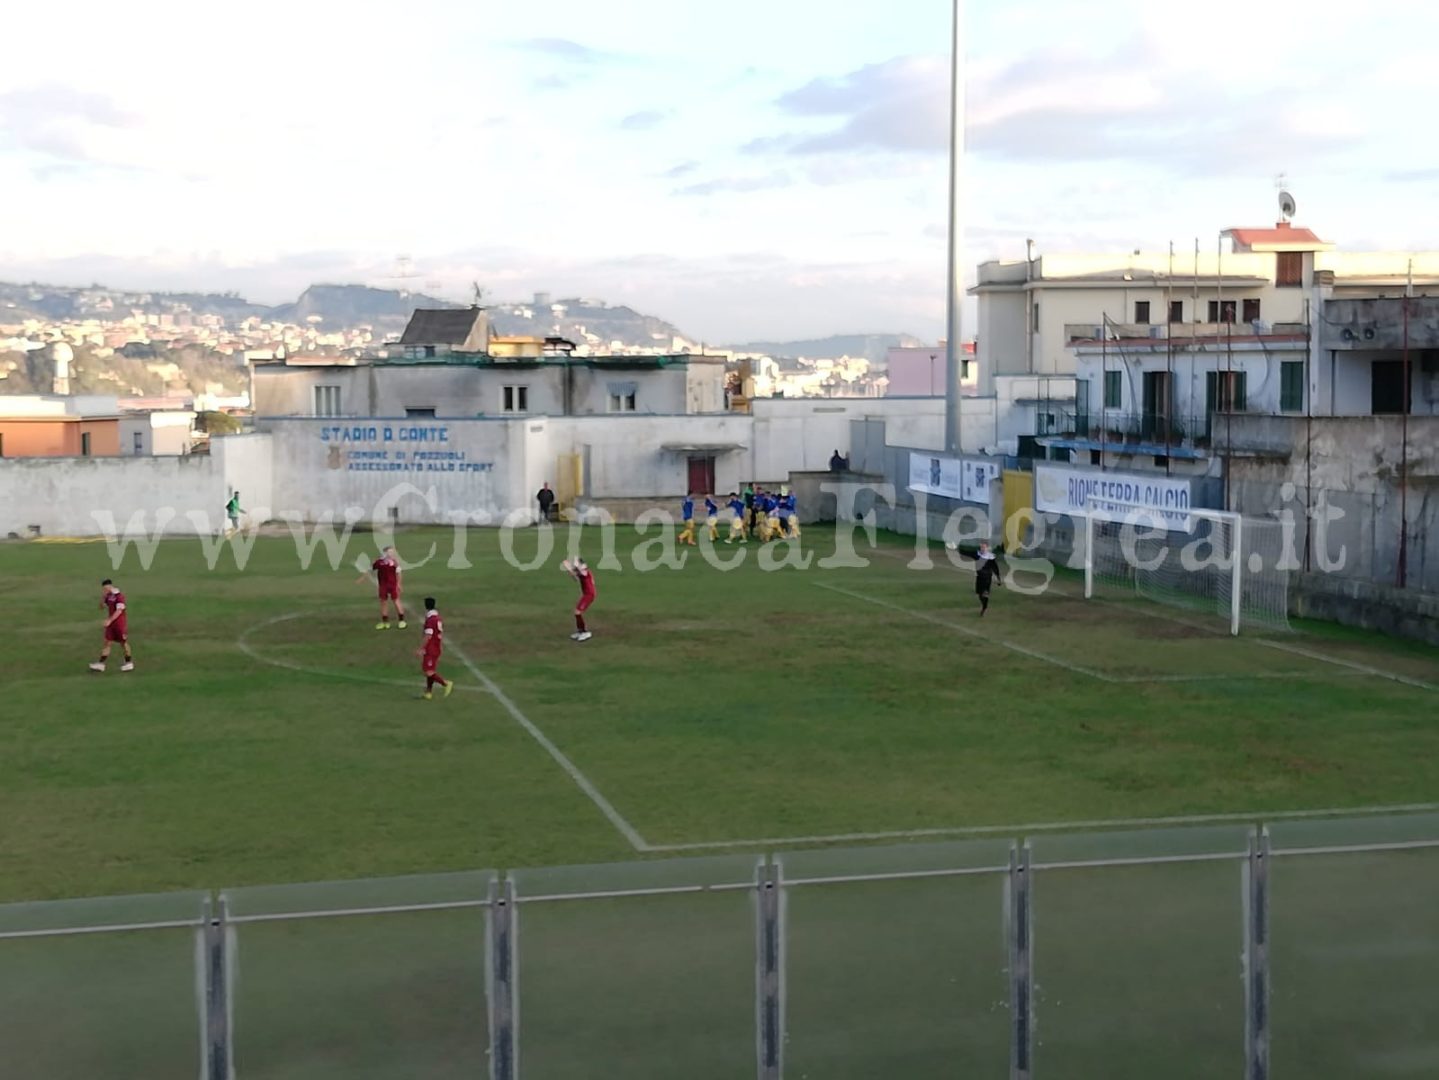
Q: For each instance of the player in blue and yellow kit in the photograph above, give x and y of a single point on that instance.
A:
(761, 516)
(789, 514)
(687, 514)
(712, 518)
(736, 521)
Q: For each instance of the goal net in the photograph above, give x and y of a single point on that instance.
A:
(1208, 561)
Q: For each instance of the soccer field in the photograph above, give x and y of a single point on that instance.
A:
(271, 734)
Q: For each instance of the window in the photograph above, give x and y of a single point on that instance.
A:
(1035, 316)
(1160, 461)
(84, 444)
(1096, 457)
(1387, 388)
(429, 352)
(1221, 311)
(1251, 311)
(622, 402)
(1291, 386)
(327, 401)
(1113, 389)
(1289, 269)
(1141, 312)
(139, 442)
(420, 414)
(1225, 391)
(515, 399)
(2, 445)
(1176, 311)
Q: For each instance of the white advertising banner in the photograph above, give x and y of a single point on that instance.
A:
(935, 475)
(978, 475)
(1062, 489)
(954, 478)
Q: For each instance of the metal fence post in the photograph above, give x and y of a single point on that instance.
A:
(500, 923)
(769, 972)
(1020, 932)
(219, 1058)
(1256, 958)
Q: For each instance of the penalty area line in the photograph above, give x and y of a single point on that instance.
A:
(1033, 654)
(628, 831)
(1352, 666)
(1257, 818)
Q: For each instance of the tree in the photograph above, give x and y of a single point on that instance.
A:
(217, 423)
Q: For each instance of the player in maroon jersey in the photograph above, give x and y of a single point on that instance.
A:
(429, 652)
(116, 626)
(580, 571)
(386, 571)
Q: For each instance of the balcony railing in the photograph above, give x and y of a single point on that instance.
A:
(1148, 428)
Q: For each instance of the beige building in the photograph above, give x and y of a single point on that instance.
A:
(1040, 320)
(439, 373)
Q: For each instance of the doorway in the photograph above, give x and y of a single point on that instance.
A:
(701, 476)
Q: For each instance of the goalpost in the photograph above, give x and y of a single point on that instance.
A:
(1211, 561)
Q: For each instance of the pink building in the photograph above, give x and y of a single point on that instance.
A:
(918, 371)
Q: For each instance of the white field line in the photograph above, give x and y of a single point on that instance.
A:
(1046, 658)
(628, 831)
(243, 641)
(1033, 654)
(1256, 817)
(1352, 665)
(1297, 650)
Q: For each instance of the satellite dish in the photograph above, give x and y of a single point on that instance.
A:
(1286, 206)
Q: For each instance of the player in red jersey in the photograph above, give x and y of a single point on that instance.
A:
(429, 652)
(116, 626)
(386, 571)
(581, 573)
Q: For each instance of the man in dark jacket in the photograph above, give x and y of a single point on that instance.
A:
(546, 499)
(986, 575)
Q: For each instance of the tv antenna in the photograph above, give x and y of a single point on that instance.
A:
(479, 293)
(405, 272)
(1286, 207)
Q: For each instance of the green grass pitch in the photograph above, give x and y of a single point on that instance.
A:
(270, 734)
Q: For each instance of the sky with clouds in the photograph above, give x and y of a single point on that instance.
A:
(752, 169)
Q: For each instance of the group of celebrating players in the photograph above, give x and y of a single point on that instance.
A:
(764, 515)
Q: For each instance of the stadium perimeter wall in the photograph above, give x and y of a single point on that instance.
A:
(92, 496)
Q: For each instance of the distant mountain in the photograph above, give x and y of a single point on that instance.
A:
(585, 322)
(341, 307)
(873, 347)
(37, 301)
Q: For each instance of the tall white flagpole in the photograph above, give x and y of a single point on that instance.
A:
(954, 329)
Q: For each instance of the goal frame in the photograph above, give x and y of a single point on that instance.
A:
(1105, 510)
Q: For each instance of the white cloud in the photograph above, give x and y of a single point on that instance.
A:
(385, 136)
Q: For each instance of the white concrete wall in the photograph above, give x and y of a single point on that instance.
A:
(1001, 342)
(363, 465)
(246, 464)
(63, 496)
(626, 459)
(468, 390)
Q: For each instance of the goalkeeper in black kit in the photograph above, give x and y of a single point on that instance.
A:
(986, 575)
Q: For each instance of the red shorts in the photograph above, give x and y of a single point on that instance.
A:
(430, 662)
(116, 631)
(585, 601)
(389, 592)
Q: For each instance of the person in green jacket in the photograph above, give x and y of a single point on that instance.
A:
(233, 512)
